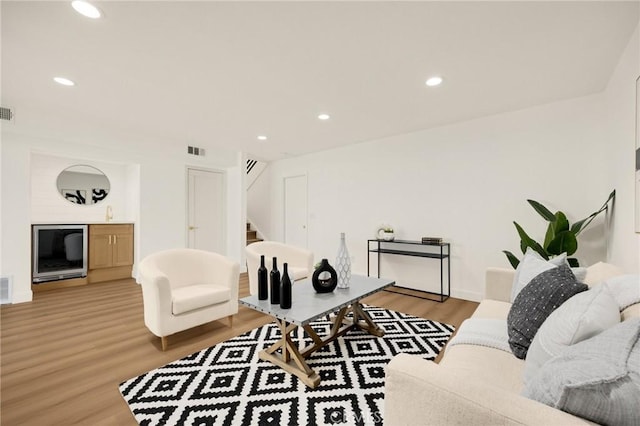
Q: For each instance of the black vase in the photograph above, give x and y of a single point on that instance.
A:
(275, 283)
(263, 285)
(285, 288)
(325, 278)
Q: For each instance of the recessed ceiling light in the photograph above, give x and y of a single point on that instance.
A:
(324, 116)
(86, 9)
(434, 81)
(262, 138)
(63, 81)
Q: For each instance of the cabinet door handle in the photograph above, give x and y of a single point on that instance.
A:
(115, 239)
(109, 239)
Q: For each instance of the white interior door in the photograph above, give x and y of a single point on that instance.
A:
(295, 210)
(206, 210)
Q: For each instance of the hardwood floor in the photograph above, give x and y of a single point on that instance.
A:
(64, 354)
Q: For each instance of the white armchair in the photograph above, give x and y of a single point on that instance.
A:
(184, 288)
(300, 261)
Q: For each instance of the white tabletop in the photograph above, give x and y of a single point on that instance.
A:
(308, 305)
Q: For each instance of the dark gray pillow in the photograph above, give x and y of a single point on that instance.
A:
(597, 379)
(546, 292)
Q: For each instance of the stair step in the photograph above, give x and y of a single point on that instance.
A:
(248, 226)
(252, 235)
(254, 240)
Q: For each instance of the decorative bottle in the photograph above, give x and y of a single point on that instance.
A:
(263, 285)
(324, 278)
(343, 264)
(285, 288)
(275, 283)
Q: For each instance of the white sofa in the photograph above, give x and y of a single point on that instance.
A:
(476, 385)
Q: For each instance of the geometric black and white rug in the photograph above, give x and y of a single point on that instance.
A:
(227, 384)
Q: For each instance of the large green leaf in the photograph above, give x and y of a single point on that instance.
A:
(561, 223)
(549, 235)
(542, 210)
(526, 241)
(580, 225)
(512, 259)
(564, 242)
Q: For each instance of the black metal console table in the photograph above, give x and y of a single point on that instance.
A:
(439, 251)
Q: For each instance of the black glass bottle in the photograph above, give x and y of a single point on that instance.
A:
(275, 283)
(285, 288)
(263, 285)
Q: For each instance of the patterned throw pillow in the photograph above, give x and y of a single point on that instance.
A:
(579, 318)
(543, 295)
(597, 379)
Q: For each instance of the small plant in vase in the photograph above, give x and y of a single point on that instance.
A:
(386, 233)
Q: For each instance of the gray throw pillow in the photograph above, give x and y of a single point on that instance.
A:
(597, 379)
(543, 295)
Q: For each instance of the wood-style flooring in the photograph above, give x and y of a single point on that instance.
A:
(64, 354)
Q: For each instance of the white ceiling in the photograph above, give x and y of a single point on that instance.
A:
(221, 73)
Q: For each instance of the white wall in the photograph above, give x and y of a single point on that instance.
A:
(620, 146)
(157, 205)
(465, 182)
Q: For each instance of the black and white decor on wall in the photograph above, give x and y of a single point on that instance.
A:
(76, 196)
(98, 194)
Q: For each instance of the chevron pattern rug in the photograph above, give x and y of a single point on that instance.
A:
(227, 384)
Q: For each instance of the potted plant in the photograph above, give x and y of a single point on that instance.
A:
(386, 233)
(561, 237)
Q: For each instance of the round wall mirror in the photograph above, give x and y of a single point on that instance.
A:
(82, 184)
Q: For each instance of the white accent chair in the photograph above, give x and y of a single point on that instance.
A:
(184, 288)
(299, 260)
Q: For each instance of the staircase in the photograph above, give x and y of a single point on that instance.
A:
(252, 236)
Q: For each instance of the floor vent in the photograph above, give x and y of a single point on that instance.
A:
(6, 114)
(194, 150)
(5, 290)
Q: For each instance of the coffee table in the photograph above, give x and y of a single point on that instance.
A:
(308, 306)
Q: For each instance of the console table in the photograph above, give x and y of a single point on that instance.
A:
(438, 251)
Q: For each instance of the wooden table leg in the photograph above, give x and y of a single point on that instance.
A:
(363, 321)
(290, 359)
(293, 360)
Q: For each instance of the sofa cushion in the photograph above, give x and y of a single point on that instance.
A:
(583, 316)
(531, 265)
(632, 311)
(597, 379)
(185, 299)
(486, 365)
(543, 295)
(625, 290)
(492, 309)
(600, 272)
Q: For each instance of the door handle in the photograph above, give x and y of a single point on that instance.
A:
(191, 228)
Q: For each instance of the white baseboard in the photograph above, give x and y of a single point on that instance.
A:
(22, 296)
(467, 295)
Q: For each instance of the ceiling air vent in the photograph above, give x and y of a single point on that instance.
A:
(6, 114)
(194, 150)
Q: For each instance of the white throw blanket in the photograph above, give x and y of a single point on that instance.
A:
(482, 332)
